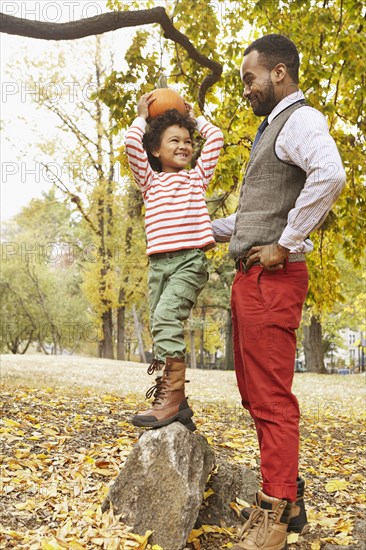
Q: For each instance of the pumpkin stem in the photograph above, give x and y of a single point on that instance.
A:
(162, 81)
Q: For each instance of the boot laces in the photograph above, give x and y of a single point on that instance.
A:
(259, 519)
(157, 391)
(156, 365)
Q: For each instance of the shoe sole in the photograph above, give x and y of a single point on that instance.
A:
(291, 528)
(184, 417)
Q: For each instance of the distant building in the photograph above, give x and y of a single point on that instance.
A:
(352, 353)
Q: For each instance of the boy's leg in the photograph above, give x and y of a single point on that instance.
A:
(187, 275)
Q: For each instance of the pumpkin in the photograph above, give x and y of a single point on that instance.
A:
(165, 99)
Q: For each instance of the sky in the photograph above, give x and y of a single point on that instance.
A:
(22, 124)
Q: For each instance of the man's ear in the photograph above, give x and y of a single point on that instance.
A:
(280, 71)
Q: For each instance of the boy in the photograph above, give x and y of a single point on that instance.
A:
(178, 230)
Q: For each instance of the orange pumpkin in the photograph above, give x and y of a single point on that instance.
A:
(165, 99)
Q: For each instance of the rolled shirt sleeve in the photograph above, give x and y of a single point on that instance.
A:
(223, 228)
(305, 141)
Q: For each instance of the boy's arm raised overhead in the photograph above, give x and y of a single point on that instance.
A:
(136, 154)
(211, 150)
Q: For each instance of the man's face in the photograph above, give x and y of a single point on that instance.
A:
(258, 85)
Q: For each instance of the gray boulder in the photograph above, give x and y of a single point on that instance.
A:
(161, 485)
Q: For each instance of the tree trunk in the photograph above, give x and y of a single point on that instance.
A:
(202, 338)
(229, 352)
(106, 345)
(139, 334)
(313, 347)
(121, 350)
(193, 360)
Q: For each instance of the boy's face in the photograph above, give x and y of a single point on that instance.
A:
(175, 150)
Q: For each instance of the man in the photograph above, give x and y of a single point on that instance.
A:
(293, 177)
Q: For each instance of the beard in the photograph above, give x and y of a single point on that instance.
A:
(265, 100)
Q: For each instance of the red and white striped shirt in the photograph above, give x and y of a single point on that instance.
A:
(176, 215)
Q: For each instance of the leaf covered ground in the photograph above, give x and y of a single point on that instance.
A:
(62, 446)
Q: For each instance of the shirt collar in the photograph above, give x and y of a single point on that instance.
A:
(284, 103)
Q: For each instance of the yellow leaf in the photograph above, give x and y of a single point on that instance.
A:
(50, 431)
(28, 505)
(315, 545)
(157, 547)
(208, 493)
(51, 544)
(10, 422)
(292, 538)
(243, 503)
(143, 540)
(331, 510)
(14, 535)
(75, 545)
(194, 534)
(336, 485)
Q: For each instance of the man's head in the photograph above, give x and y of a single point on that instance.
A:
(269, 72)
(169, 141)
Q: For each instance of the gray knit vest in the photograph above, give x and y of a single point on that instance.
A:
(269, 191)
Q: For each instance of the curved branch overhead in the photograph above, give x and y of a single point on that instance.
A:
(112, 21)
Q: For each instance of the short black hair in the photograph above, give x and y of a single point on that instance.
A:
(274, 49)
(152, 137)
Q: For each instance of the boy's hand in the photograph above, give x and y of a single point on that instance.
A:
(143, 105)
(189, 110)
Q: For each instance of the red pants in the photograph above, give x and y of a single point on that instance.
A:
(266, 310)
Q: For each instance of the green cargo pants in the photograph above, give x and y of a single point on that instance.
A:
(175, 281)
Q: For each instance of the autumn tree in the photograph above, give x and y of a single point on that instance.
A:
(40, 285)
(214, 35)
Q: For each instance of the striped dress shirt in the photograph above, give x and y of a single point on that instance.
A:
(304, 141)
(176, 216)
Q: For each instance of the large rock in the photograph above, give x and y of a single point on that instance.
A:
(161, 485)
(227, 483)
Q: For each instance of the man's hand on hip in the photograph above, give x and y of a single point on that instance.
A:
(270, 256)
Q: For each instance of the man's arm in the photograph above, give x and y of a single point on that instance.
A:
(306, 142)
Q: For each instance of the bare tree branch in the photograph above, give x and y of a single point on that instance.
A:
(112, 21)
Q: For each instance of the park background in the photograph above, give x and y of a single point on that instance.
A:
(73, 281)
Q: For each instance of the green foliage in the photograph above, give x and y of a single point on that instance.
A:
(331, 40)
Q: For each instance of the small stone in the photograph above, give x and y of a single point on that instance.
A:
(229, 482)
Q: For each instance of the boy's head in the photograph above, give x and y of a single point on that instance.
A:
(168, 141)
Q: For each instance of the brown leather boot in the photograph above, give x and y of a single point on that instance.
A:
(266, 528)
(170, 404)
(298, 518)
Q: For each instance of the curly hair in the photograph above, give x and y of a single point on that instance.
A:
(155, 129)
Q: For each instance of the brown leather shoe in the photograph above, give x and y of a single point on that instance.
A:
(298, 512)
(170, 404)
(266, 528)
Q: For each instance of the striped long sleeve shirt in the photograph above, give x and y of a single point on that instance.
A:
(176, 216)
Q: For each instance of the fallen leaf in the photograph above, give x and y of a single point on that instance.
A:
(335, 485)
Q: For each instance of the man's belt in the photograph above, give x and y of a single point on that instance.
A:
(241, 263)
